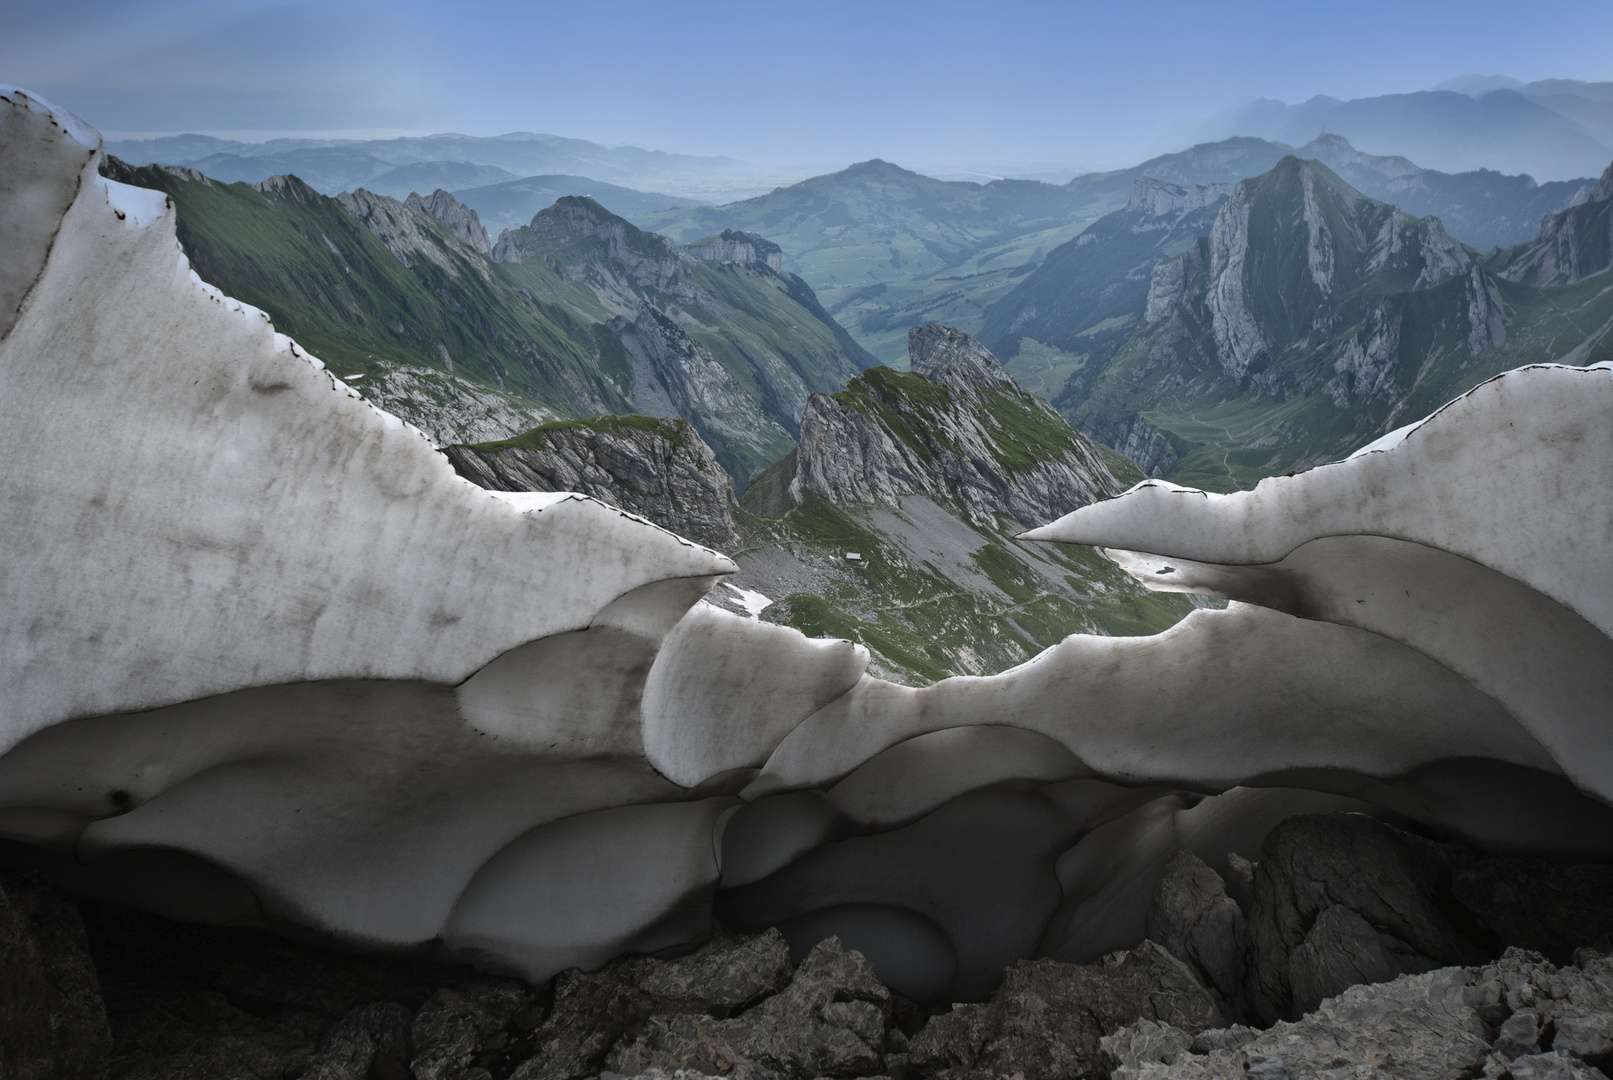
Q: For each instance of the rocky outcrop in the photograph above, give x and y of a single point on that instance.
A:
(831, 1020)
(958, 429)
(460, 220)
(1155, 452)
(52, 1022)
(949, 357)
(449, 408)
(1342, 899)
(1193, 918)
(1171, 282)
(1520, 1018)
(1161, 198)
(744, 248)
(1572, 245)
(658, 469)
(1049, 1019)
(402, 228)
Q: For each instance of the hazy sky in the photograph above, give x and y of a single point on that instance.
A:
(771, 82)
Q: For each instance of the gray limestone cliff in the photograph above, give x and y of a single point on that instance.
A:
(675, 375)
(648, 259)
(957, 429)
(1161, 198)
(658, 469)
(1572, 245)
(733, 246)
(413, 230)
(460, 220)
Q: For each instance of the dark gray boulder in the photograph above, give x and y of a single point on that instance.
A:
(1342, 899)
(1520, 1017)
(593, 1011)
(1192, 918)
(52, 1021)
(830, 1021)
(1048, 1019)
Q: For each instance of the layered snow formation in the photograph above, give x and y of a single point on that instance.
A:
(269, 661)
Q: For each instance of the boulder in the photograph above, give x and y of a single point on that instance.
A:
(1048, 1019)
(830, 1021)
(53, 1024)
(1519, 1017)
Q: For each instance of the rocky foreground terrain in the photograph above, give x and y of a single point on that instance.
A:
(1386, 953)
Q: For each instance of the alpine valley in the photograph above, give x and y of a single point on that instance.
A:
(1233, 311)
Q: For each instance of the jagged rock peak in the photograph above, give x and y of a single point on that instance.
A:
(395, 225)
(286, 184)
(733, 246)
(1161, 197)
(460, 220)
(1572, 244)
(956, 428)
(948, 356)
(649, 258)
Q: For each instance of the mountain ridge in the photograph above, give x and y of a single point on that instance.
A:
(1311, 319)
(413, 297)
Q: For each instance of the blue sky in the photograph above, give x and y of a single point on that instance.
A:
(770, 82)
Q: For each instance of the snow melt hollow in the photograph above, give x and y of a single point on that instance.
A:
(266, 660)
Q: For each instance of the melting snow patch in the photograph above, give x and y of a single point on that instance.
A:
(753, 602)
(534, 500)
(1386, 442)
(138, 207)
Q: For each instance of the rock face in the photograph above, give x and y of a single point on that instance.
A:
(52, 1021)
(746, 248)
(658, 469)
(830, 1021)
(1370, 318)
(408, 229)
(1572, 245)
(1338, 900)
(460, 220)
(673, 311)
(1049, 1019)
(949, 357)
(1496, 1020)
(987, 444)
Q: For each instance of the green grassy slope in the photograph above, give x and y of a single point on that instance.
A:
(328, 282)
(926, 616)
(939, 591)
(547, 329)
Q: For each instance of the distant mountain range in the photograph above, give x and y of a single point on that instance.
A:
(333, 165)
(887, 248)
(512, 203)
(1554, 129)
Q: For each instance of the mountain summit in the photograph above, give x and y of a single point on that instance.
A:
(1312, 319)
